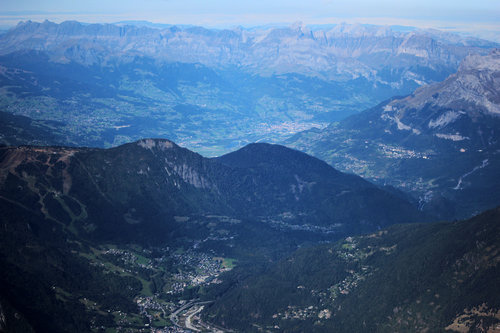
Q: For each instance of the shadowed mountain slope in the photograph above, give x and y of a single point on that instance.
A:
(142, 185)
(409, 278)
(72, 221)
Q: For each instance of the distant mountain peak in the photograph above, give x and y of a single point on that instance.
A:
(345, 51)
(475, 87)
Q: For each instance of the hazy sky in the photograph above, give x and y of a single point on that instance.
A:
(475, 16)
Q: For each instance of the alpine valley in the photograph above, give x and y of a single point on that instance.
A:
(148, 235)
(391, 224)
(210, 90)
(93, 231)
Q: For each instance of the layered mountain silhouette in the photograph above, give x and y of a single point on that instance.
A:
(211, 90)
(132, 233)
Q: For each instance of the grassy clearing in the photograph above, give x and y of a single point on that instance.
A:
(62, 295)
(141, 259)
(347, 246)
(227, 263)
(146, 287)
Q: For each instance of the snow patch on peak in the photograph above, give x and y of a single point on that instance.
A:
(402, 126)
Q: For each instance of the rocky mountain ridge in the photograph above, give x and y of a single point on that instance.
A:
(343, 52)
(476, 83)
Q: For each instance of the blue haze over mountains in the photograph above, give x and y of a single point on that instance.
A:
(116, 216)
(211, 90)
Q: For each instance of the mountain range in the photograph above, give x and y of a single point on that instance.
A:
(440, 143)
(123, 217)
(103, 229)
(343, 52)
(211, 90)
